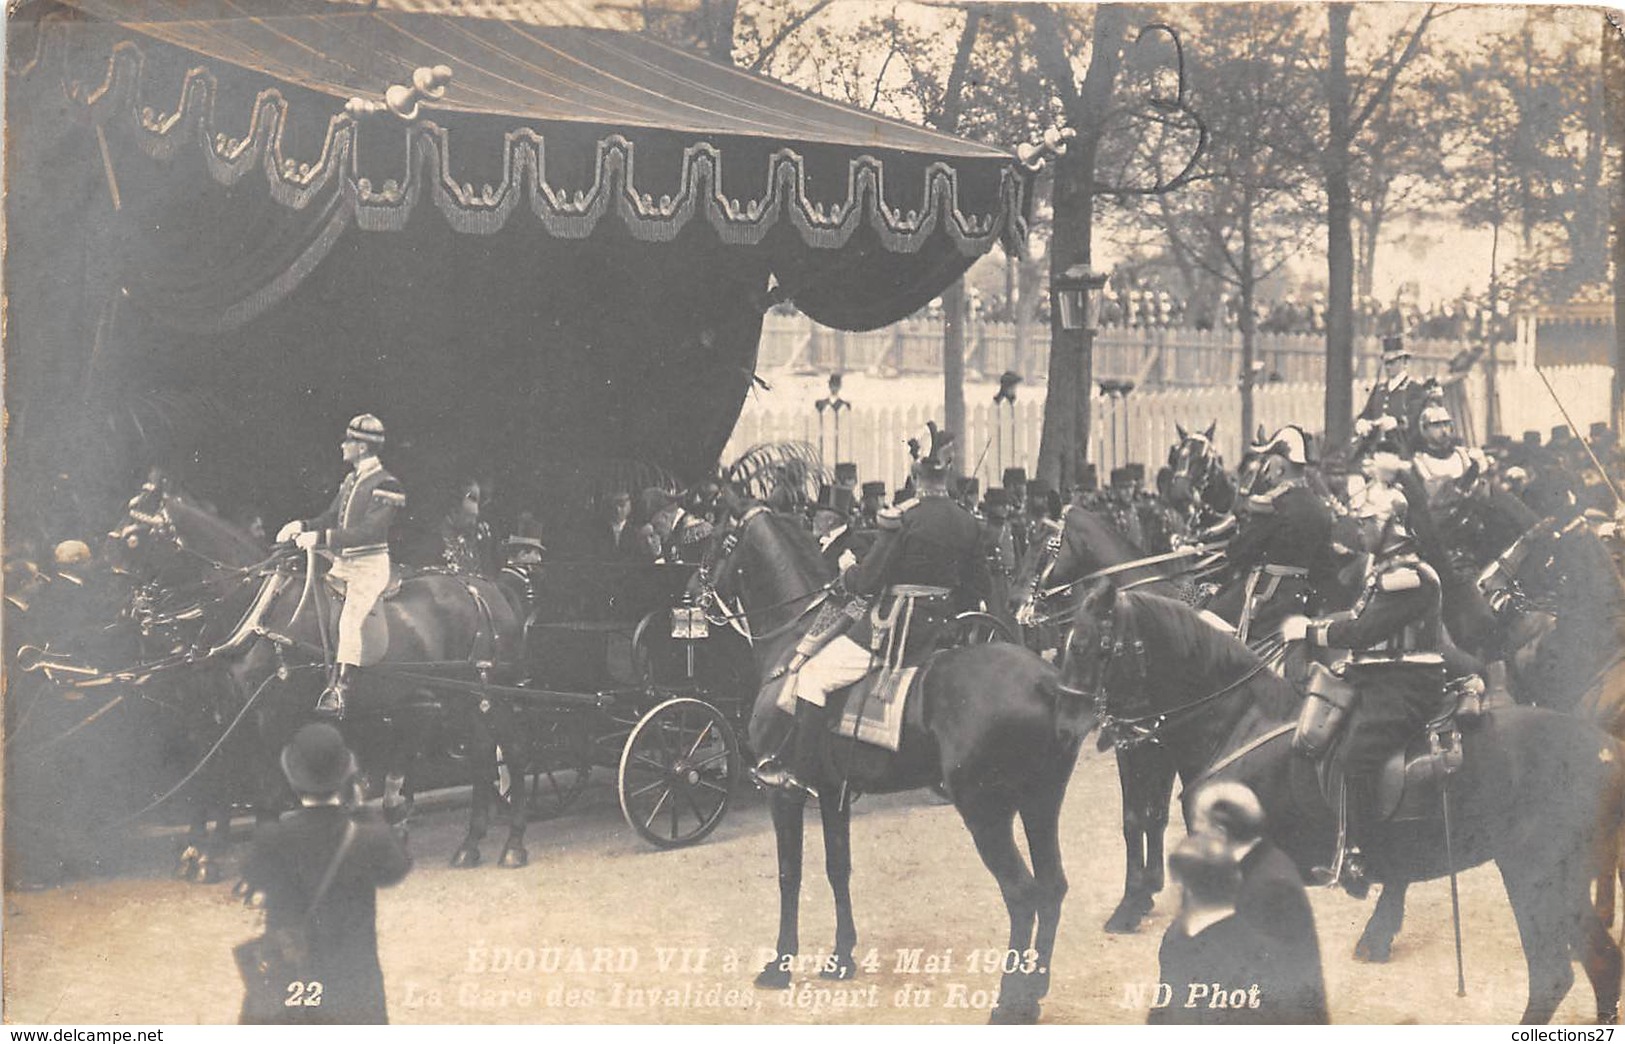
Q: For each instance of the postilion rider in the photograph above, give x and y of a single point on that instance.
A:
(355, 528)
(1398, 653)
(930, 550)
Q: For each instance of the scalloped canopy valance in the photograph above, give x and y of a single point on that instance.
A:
(566, 256)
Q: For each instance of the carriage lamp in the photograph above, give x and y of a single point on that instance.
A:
(1076, 292)
(688, 623)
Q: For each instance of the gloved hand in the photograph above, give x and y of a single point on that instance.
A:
(307, 540)
(1472, 685)
(1295, 628)
(1388, 423)
(289, 531)
(1362, 427)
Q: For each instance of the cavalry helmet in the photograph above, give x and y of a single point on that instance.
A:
(365, 428)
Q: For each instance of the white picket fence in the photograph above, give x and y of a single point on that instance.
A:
(1141, 427)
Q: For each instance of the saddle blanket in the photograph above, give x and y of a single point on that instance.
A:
(870, 710)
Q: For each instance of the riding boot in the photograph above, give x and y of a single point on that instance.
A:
(809, 749)
(331, 705)
(1355, 877)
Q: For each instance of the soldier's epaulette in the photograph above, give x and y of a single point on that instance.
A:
(1264, 503)
(892, 517)
(390, 494)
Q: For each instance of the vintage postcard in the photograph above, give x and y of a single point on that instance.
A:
(812, 511)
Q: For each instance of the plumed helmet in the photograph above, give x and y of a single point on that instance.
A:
(932, 449)
(1292, 443)
(365, 428)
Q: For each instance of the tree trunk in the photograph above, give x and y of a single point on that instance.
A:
(1065, 445)
(1339, 238)
(953, 299)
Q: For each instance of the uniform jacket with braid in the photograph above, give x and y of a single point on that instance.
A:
(358, 520)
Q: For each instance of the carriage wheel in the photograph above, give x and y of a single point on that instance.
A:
(561, 761)
(677, 772)
(977, 628)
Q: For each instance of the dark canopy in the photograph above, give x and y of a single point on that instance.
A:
(565, 258)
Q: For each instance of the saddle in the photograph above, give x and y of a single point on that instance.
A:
(1408, 787)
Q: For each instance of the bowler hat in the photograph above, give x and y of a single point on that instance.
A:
(317, 761)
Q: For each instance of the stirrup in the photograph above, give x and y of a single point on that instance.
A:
(770, 775)
(331, 704)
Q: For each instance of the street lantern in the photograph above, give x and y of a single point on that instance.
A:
(1077, 298)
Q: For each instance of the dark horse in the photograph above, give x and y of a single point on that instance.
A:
(448, 636)
(1077, 545)
(987, 720)
(1539, 792)
(1199, 486)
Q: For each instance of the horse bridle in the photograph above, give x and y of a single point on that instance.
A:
(1127, 732)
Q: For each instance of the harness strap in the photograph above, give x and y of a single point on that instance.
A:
(1236, 755)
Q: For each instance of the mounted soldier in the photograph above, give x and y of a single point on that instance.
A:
(1281, 542)
(355, 528)
(1397, 662)
(926, 565)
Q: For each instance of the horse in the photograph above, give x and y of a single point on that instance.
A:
(1199, 487)
(1538, 792)
(986, 721)
(259, 627)
(1081, 543)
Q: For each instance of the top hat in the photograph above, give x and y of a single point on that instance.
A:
(1531, 438)
(996, 497)
(317, 761)
(846, 474)
(1036, 488)
(826, 496)
(1393, 348)
(1136, 471)
(874, 489)
(1560, 433)
(970, 486)
(365, 428)
(1122, 476)
(1015, 478)
(1088, 478)
(1602, 433)
(842, 501)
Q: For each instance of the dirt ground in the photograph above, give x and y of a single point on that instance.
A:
(680, 932)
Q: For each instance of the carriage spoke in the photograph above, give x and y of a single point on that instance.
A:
(675, 812)
(645, 788)
(708, 785)
(711, 759)
(654, 813)
(699, 813)
(658, 766)
(704, 732)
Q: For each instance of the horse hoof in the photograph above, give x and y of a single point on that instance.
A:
(1123, 921)
(465, 857)
(773, 977)
(843, 968)
(207, 872)
(1607, 1018)
(513, 857)
(1371, 951)
(1013, 1015)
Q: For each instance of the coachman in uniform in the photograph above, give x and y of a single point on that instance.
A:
(929, 549)
(355, 527)
(1394, 408)
(1396, 665)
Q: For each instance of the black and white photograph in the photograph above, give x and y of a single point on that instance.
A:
(813, 512)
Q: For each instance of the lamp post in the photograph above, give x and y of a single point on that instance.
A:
(1076, 297)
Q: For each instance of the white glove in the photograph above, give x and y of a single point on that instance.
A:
(306, 541)
(1388, 423)
(1362, 427)
(1295, 628)
(846, 561)
(289, 531)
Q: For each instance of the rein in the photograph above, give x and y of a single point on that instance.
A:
(1126, 732)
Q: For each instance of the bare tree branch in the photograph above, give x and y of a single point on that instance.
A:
(784, 33)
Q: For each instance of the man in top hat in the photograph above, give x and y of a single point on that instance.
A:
(288, 861)
(1122, 508)
(843, 543)
(1396, 402)
(355, 527)
(1015, 486)
(1271, 900)
(871, 502)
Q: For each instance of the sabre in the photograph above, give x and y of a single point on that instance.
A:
(977, 470)
(304, 596)
(1618, 501)
(1455, 898)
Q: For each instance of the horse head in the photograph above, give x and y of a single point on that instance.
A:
(1078, 543)
(1194, 466)
(762, 561)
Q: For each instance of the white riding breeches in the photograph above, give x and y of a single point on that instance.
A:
(835, 666)
(365, 577)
